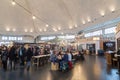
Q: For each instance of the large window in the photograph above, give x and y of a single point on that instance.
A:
(60, 37)
(67, 37)
(95, 33)
(110, 30)
(9, 38)
(48, 38)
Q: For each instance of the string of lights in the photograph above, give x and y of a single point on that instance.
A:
(89, 20)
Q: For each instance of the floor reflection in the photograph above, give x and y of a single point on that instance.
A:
(93, 68)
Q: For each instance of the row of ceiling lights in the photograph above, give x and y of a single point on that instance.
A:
(102, 13)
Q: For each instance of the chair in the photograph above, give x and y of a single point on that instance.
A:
(114, 62)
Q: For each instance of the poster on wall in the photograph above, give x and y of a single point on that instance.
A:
(109, 46)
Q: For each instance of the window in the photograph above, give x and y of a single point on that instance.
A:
(4, 38)
(95, 33)
(44, 38)
(51, 37)
(70, 37)
(110, 30)
(61, 37)
(67, 37)
(19, 38)
(11, 38)
(88, 34)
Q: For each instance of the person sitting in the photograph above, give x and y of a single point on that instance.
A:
(53, 59)
(69, 60)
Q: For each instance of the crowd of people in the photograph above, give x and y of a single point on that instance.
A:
(63, 60)
(18, 55)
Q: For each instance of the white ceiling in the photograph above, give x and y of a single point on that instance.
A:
(55, 13)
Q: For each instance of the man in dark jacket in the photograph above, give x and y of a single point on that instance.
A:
(29, 55)
(21, 53)
(12, 57)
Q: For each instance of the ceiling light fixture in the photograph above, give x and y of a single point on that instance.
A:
(70, 27)
(59, 28)
(14, 30)
(8, 29)
(13, 2)
(102, 13)
(89, 20)
(54, 29)
(47, 25)
(40, 30)
(83, 22)
(112, 9)
(45, 30)
(31, 30)
(26, 30)
(33, 17)
(76, 25)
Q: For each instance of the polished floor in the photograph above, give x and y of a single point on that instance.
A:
(93, 68)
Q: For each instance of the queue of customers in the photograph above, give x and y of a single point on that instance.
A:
(18, 55)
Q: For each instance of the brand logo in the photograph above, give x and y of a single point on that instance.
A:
(109, 44)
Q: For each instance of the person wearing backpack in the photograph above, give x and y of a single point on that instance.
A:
(4, 57)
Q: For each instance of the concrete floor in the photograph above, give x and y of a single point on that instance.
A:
(93, 68)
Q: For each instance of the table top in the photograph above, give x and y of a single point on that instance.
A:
(41, 56)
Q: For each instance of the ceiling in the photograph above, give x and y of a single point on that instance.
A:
(62, 16)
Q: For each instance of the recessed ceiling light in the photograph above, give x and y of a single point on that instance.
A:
(83, 22)
(7, 29)
(70, 27)
(54, 29)
(102, 13)
(112, 8)
(31, 30)
(26, 30)
(33, 17)
(47, 25)
(76, 25)
(88, 19)
(59, 28)
(40, 30)
(13, 2)
(45, 30)
(14, 30)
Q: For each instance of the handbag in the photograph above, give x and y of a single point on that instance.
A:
(54, 66)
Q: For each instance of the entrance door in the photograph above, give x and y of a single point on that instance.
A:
(91, 48)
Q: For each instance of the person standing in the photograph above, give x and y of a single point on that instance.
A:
(22, 52)
(4, 57)
(12, 57)
(29, 55)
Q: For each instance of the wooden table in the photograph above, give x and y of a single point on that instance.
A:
(38, 59)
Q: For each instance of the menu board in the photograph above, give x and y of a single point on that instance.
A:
(109, 46)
